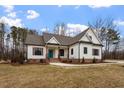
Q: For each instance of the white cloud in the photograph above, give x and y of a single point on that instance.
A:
(11, 22)
(44, 29)
(74, 29)
(59, 5)
(119, 22)
(76, 7)
(8, 8)
(99, 6)
(12, 14)
(32, 14)
(10, 11)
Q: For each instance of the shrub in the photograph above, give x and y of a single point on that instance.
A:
(5, 57)
(70, 61)
(18, 58)
(94, 60)
(0, 57)
(83, 60)
(64, 61)
(41, 60)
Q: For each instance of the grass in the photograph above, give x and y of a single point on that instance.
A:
(53, 76)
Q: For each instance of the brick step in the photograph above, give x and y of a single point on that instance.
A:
(54, 60)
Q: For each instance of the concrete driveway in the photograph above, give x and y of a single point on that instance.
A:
(114, 61)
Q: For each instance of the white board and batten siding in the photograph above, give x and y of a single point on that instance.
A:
(92, 34)
(89, 54)
(90, 47)
(30, 52)
(75, 51)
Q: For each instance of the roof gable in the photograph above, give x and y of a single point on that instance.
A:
(53, 40)
(85, 38)
(63, 40)
(89, 36)
(92, 34)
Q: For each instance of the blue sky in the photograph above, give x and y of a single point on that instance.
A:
(40, 17)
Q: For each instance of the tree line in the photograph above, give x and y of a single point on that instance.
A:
(17, 36)
(109, 36)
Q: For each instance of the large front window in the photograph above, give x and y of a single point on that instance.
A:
(37, 51)
(95, 52)
(61, 51)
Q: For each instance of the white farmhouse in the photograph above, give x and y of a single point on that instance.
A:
(85, 45)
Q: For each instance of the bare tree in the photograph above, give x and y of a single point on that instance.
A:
(63, 29)
(2, 33)
(60, 28)
(7, 45)
(107, 31)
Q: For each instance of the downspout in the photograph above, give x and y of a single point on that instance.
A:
(79, 51)
(101, 54)
(46, 52)
(26, 54)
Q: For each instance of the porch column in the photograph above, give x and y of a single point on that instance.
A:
(79, 51)
(68, 54)
(58, 53)
(46, 52)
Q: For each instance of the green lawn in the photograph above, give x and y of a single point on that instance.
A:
(51, 76)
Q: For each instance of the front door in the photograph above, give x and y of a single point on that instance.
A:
(50, 54)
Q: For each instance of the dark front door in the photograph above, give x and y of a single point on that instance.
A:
(50, 54)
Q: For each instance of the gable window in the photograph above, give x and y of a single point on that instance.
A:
(37, 51)
(61, 51)
(85, 50)
(72, 51)
(90, 37)
(95, 52)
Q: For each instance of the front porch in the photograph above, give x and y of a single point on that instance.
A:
(56, 53)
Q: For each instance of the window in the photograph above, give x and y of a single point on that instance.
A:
(95, 52)
(85, 50)
(72, 51)
(61, 51)
(37, 51)
(90, 37)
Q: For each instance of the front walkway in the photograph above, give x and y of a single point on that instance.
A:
(81, 65)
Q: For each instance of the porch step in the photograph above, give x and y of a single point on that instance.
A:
(54, 60)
